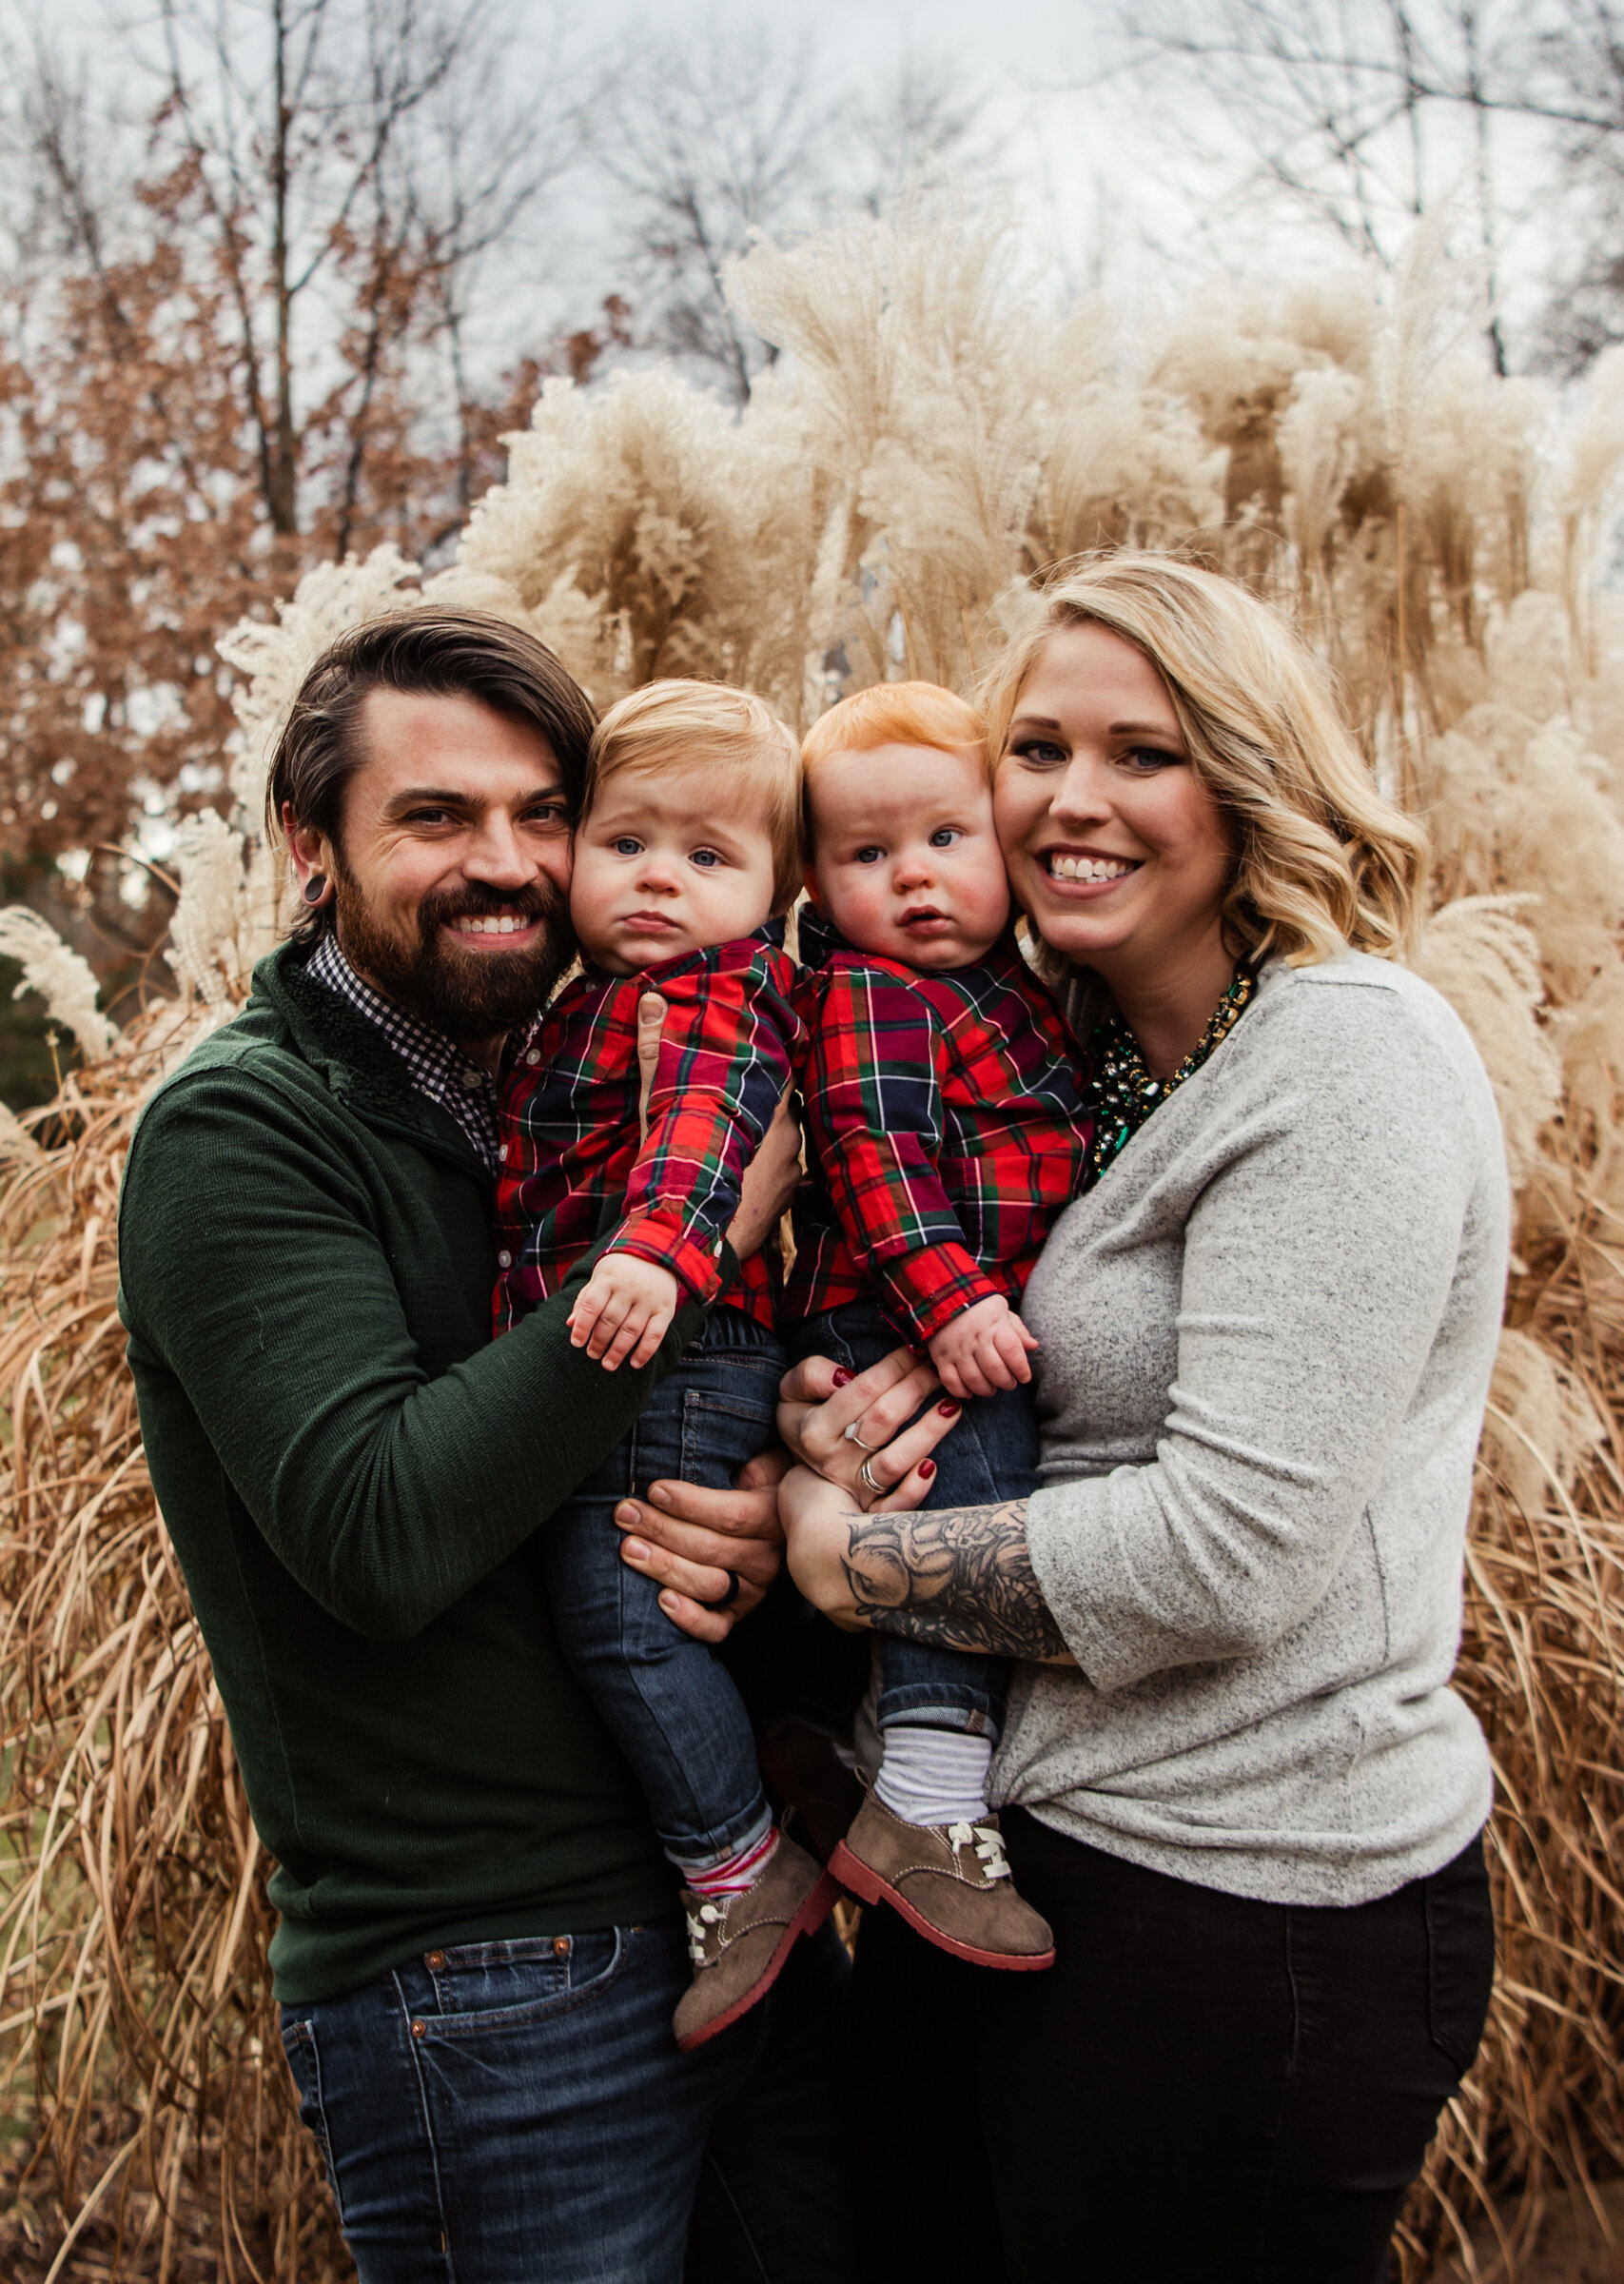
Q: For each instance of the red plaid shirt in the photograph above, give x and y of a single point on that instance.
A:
(945, 1132)
(569, 1126)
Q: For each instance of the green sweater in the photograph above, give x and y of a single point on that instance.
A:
(353, 1473)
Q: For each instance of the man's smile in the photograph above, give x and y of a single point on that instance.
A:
(507, 924)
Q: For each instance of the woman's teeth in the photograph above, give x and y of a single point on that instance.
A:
(1088, 868)
(505, 925)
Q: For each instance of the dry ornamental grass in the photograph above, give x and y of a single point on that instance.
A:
(933, 440)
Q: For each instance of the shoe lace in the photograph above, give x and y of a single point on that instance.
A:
(707, 1916)
(988, 1843)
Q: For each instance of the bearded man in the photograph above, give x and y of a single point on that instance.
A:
(479, 1949)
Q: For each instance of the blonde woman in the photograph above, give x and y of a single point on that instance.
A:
(1235, 1777)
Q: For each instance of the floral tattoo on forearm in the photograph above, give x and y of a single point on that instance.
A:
(961, 1577)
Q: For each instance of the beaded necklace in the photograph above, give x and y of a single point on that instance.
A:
(1123, 1093)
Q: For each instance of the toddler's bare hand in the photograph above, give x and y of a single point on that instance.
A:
(982, 1349)
(626, 1310)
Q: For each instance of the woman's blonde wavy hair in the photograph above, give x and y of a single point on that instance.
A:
(1322, 860)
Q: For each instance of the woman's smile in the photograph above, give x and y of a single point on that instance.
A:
(1087, 870)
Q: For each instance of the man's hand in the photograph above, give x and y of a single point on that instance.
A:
(773, 1176)
(651, 1022)
(626, 1310)
(982, 1349)
(692, 1543)
(770, 1183)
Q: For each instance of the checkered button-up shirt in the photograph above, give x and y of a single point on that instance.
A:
(439, 1069)
(571, 1136)
(945, 1130)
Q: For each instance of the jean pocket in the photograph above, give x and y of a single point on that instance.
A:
(1460, 1955)
(720, 1433)
(304, 2061)
(504, 1986)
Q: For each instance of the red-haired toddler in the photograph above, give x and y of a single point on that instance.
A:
(945, 1133)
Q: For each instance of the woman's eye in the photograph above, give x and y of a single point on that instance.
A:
(1041, 751)
(1150, 758)
(945, 837)
(868, 855)
(627, 845)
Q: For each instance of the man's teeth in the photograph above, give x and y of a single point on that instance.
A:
(1088, 868)
(505, 925)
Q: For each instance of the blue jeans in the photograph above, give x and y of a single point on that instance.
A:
(518, 2112)
(990, 1454)
(670, 1707)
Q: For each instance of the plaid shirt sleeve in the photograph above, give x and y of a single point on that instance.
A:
(874, 1107)
(725, 1059)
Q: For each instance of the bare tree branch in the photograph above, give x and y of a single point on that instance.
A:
(733, 131)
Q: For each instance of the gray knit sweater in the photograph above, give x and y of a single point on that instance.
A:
(1267, 1335)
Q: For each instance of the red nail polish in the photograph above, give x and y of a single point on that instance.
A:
(948, 1409)
(842, 1377)
(928, 1467)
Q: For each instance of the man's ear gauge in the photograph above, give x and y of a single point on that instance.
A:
(315, 888)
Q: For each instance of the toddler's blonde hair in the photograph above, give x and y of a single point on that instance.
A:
(1321, 859)
(727, 733)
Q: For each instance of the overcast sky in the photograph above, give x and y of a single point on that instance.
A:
(1118, 179)
(1106, 173)
(1091, 188)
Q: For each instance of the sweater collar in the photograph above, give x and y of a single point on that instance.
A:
(348, 1050)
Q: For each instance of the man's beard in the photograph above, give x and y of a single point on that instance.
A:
(466, 994)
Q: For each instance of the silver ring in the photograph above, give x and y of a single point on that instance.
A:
(852, 1437)
(866, 1477)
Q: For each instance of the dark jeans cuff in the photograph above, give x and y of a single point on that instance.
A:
(917, 1707)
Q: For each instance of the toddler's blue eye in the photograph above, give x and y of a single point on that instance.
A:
(943, 837)
(706, 856)
(627, 846)
(869, 856)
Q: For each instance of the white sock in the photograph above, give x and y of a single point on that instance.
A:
(936, 1776)
(735, 1872)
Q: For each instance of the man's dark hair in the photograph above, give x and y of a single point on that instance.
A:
(424, 654)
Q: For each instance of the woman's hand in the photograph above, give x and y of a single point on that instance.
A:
(773, 1176)
(839, 1425)
(960, 1577)
(818, 1519)
(696, 1542)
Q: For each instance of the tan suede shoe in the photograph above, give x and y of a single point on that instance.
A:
(739, 1944)
(950, 1882)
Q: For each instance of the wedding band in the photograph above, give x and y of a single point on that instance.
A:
(728, 1599)
(865, 1476)
(852, 1437)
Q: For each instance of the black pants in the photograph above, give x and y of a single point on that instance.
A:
(1202, 2090)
